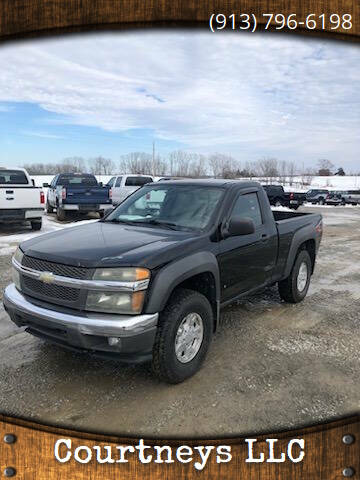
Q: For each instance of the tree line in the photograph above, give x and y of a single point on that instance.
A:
(180, 163)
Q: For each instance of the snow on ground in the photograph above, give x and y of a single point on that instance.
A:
(334, 182)
(9, 240)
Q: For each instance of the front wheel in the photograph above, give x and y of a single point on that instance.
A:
(294, 288)
(49, 208)
(36, 224)
(321, 201)
(183, 336)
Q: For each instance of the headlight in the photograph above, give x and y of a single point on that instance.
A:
(118, 302)
(15, 274)
(18, 255)
(130, 303)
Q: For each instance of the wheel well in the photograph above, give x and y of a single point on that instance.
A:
(203, 283)
(309, 245)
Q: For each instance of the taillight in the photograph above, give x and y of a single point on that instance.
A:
(63, 193)
(291, 195)
(42, 198)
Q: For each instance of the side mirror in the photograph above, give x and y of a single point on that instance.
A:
(33, 182)
(45, 185)
(240, 226)
(100, 184)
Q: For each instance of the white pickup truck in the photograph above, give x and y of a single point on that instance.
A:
(124, 185)
(20, 200)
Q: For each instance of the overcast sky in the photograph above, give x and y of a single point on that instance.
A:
(249, 95)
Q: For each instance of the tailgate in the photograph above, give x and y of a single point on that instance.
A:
(87, 195)
(19, 197)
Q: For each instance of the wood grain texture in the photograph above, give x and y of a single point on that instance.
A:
(21, 18)
(32, 455)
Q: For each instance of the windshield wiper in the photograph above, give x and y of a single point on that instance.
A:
(118, 220)
(153, 221)
(170, 225)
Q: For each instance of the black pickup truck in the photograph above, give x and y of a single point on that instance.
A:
(278, 197)
(148, 281)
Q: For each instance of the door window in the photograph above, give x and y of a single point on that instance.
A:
(137, 181)
(118, 182)
(247, 206)
(110, 183)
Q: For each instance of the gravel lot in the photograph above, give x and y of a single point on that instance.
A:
(271, 366)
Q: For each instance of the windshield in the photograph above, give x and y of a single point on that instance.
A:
(185, 207)
(77, 180)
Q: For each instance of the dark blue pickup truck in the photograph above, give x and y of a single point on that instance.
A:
(79, 192)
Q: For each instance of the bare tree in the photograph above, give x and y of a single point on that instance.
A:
(136, 162)
(268, 168)
(101, 166)
(325, 167)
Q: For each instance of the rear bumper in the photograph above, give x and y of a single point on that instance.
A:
(86, 208)
(85, 331)
(20, 214)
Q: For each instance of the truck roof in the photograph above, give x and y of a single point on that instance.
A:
(215, 182)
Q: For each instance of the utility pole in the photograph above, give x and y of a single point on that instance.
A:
(153, 159)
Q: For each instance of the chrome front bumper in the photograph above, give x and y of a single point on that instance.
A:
(87, 331)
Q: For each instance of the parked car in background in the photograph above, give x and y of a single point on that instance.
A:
(335, 198)
(352, 197)
(124, 185)
(147, 282)
(316, 196)
(78, 192)
(278, 197)
(20, 200)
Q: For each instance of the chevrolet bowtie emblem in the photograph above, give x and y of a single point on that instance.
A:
(47, 277)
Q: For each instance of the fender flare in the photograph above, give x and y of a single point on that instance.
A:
(170, 276)
(299, 238)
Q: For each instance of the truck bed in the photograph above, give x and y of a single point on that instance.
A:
(289, 225)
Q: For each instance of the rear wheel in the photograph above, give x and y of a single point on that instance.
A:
(49, 208)
(321, 201)
(36, 224)
(183, 336)
(294, 288)
(60, 214)
(277, 202)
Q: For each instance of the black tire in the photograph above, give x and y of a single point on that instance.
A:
(321, 201)
(60, 214)
(49, 208)
(36, 224)
(165, 363)
(101, 213)
(277, 202)
(288, 288)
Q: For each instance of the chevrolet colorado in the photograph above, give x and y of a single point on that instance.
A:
(148, 281)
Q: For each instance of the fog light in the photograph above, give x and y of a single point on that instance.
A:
(114, 341)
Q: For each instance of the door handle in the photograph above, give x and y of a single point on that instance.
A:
(264, 237)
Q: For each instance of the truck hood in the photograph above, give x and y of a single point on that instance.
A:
(109, 245)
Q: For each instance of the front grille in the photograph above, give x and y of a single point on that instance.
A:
(56, 268)
(53, 291)
(57, 294)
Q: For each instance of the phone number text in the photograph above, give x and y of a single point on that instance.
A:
(278, 21)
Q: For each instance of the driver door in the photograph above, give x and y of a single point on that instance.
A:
(246, 261)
